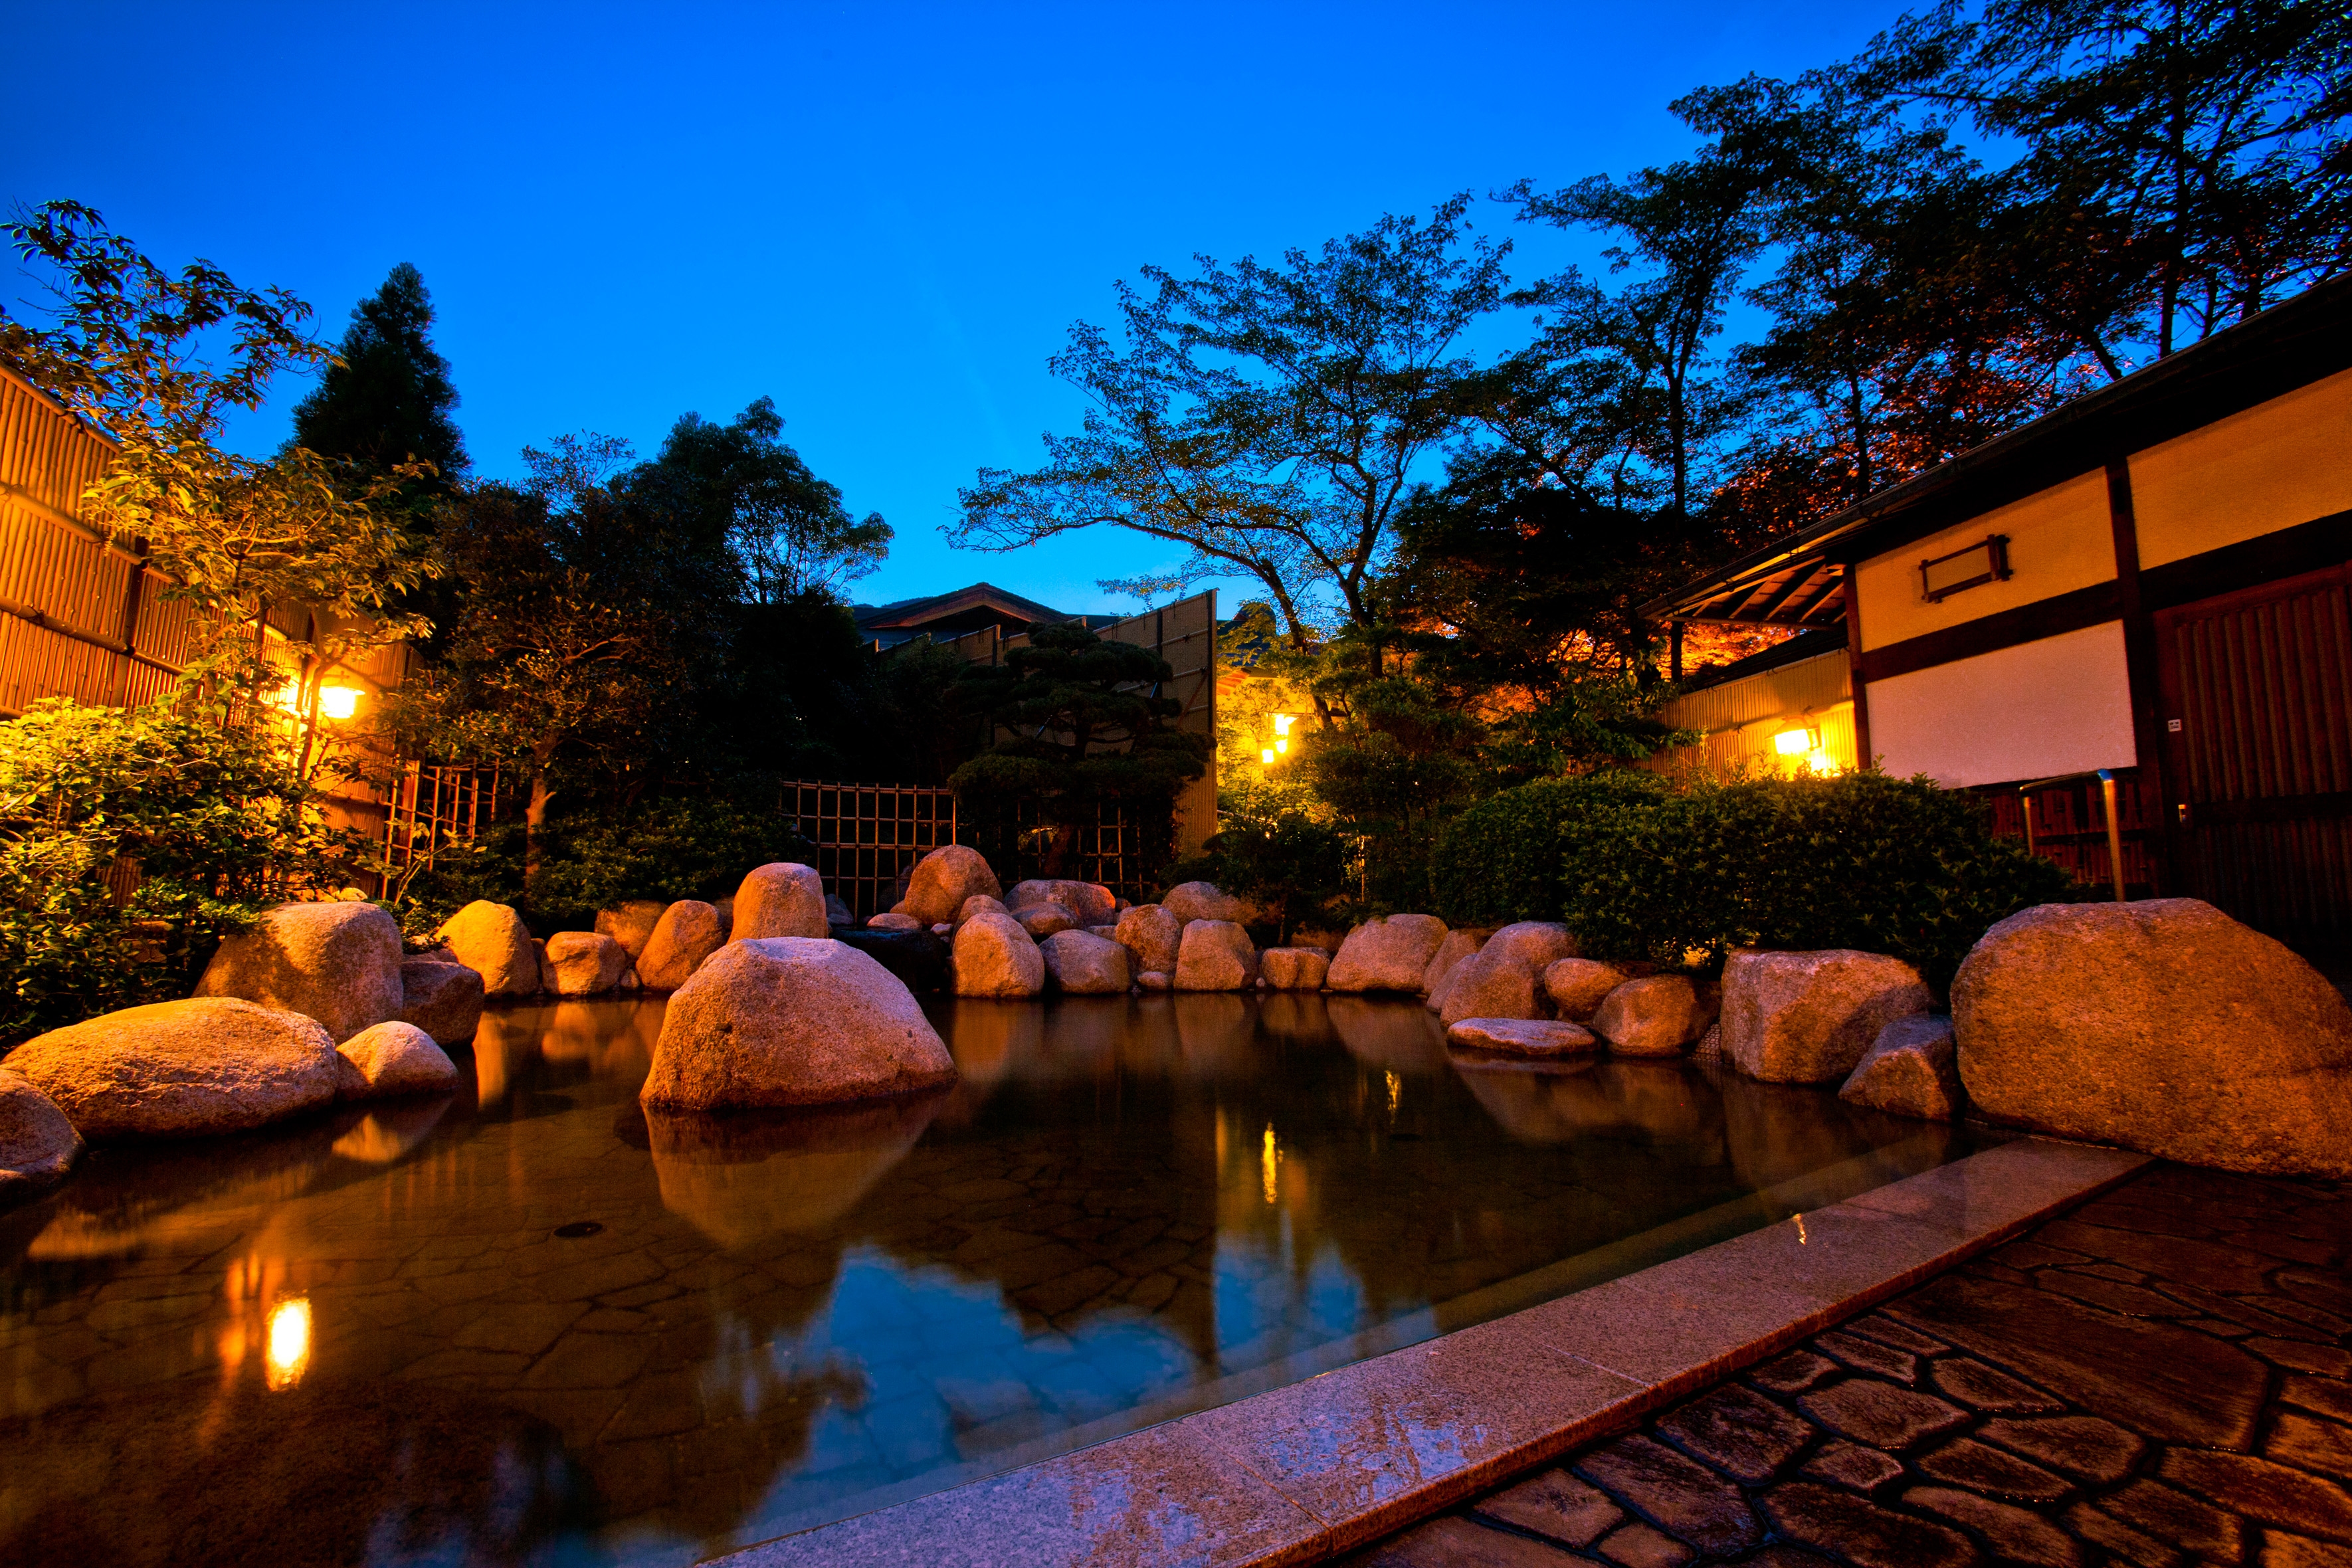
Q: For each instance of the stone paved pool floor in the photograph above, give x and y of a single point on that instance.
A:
(2161, 1376)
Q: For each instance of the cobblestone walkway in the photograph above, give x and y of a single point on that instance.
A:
(2159, 1377)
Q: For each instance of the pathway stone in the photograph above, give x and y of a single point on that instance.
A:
(2091, 1395)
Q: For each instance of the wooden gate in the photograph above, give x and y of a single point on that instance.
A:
(2257, 733)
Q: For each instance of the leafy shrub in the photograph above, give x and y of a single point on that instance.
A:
(130, 842)
(1502, 859)
(1861, 860)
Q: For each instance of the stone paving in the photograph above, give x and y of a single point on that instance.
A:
(2159, 1377)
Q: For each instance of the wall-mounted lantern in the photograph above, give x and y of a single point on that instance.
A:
(1985, 561)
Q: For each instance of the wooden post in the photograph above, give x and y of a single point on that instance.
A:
(1862, 753)
(2115, 830)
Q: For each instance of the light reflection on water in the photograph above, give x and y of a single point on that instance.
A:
(362, 1339)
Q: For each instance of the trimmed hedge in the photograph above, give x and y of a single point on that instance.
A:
(1860, 860)
(1502, 859)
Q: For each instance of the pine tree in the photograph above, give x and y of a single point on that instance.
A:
(390, 399)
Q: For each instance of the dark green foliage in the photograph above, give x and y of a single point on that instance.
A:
(789, 528)
(390, 399)
(1861, 860)
(1052, 703)
(1284, 860)
(1502, 859)
(215, 820)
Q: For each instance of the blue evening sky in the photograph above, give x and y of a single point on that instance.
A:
(884, 217)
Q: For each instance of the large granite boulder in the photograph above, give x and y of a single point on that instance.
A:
(1523, 1036)
(780, 899)
(441, 998)
(1089, 903)
(585, 963)
(1577, 986)
(1214, 955)
(944, 880)
(994, 957)
(791, 1021)
(1911, 1070)
(1189, 901)
(1657, 1015)
(1293, 968)
(1041, 921)
(182, 1069)
(1387, 953)
(1808, 1017)
(631, 924)
(687, 932)
(1459, 944)
(1152, 935)
(919, 958)
(392, 1060)
(337, 962)
(2163, 1026)
(38, 1143)
(1504, 979)
(1085, 964)
(491, 941)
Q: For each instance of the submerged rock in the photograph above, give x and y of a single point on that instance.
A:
(2163, 1026)
(994, 957)
(1085, 964)
(1504, 979)
(337, 962)
(944, 880)
(491, 939)
(1214, 955)
(1912, 1069)
(1808, 1017)
(442, 999)
(392, 1058)
(37, 1141)
(687, 934)
(791, 1021)
(1657, 1015)
(1388, 953)
(181, 1069)
(1523, 1036)
(744, 1177)
(1293, 968)
(780, 899)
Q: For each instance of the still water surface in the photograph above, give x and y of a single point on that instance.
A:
(532, 1324)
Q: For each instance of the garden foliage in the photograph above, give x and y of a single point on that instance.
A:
(1646, 870)
(206, 828)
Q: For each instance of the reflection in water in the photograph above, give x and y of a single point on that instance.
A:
(531, 1323)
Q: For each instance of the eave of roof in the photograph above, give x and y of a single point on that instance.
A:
(2312, 330)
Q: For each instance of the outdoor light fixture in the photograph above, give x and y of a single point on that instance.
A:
(339, 701)
(1281, 723)
(1795, 742)
(1266, 755)
(1280, 744)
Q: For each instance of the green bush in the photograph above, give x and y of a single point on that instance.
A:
(1501, 860)
(213, 827)
(1861, 860)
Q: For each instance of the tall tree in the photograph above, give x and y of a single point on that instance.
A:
(386, 397)
(1267, 419)
(787, 526)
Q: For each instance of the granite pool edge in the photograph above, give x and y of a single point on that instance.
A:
(1297, 1473)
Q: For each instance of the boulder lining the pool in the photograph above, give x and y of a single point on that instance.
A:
(1912, 1070)
(178, 1070)
(1809, 1018)
(441, 997)
(1387, 953)
(1523, 1036)
(391, 1059)
(337, 962)
(37, 1143)
(688, 931)
(1504, 979)
(2163, 1026)
(946, 879)
(782, 897)
(1215, 955)
(775, 1021)
(491, 941)
(1085, 964)
(994, 957)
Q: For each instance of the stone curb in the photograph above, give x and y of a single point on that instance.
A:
(1297, 1473)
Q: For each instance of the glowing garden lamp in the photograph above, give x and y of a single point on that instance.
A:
(1795, 742)
(339, 701)
(1266, 755)
(1282, 723)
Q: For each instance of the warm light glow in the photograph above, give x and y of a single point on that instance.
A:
(288, 697)
(1280, 744)
(339, 701)
(289, 1342)
(1793, 743)
(1822, 762)
(1268, 1160)
(1282, 723)
(1266, 756)
(1396, 1091)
